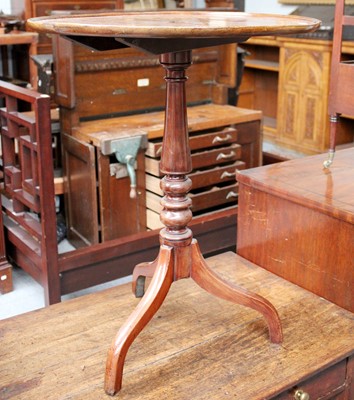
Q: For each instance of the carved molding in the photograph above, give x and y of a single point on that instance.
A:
(129, 63)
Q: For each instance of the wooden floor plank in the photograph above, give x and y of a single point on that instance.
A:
(196, 346)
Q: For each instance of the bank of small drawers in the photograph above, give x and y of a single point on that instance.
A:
(215, 158)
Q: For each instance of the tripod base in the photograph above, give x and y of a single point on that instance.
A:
(174, 263)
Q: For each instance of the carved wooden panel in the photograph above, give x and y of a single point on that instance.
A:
(302, 107)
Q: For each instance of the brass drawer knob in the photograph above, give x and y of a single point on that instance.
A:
(301, 395)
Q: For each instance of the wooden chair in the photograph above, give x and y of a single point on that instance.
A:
(341, 99)
(28, 194)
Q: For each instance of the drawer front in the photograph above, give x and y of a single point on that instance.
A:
(214, 176)
(214, 197)
(200, 141)
(216, 156)
(201, 179)
(325, 385)
(202, 159)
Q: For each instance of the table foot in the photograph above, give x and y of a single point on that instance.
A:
(207, 279)
(140, 273)
(149, 304)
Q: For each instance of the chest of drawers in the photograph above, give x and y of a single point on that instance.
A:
(217, 152)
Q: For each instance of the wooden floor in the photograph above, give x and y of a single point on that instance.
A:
(196, 346)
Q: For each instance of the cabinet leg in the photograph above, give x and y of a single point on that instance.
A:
(149, 304)
(207, 279)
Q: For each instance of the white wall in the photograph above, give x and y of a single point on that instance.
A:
(268, 6)
(5, 6)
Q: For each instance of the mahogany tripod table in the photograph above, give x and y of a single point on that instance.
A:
(173, 35)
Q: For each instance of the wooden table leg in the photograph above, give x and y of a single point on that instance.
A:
(179, 255)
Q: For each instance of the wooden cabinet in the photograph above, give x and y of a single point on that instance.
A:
(296, 219)
(332, 384)
(288, 80)
(98, 203)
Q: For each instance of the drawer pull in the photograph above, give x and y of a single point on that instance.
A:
(301, 395)
(229, 196)
(223, 156)
(219, 139)
(227, 174)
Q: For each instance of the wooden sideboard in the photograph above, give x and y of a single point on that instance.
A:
(288, 80)
(196, 347)
(296, 219)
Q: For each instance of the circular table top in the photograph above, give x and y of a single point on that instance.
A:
(174, 24)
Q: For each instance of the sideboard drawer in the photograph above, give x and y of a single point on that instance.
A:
(325, 386)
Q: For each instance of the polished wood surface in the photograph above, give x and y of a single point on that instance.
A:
(296, 219)
(175, 24)
(207, 348)
(179, 255)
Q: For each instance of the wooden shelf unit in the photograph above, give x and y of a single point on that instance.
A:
(288, 80)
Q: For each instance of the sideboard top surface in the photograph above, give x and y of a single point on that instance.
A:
(306, 182)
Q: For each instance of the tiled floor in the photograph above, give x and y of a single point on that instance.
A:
(28, 295)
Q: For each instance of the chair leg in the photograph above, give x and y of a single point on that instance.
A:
(333, 124)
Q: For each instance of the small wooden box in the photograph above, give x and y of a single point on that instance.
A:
(296, 219)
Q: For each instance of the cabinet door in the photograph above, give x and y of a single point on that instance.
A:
(120, 215)
(302, 107)
(80, 191)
